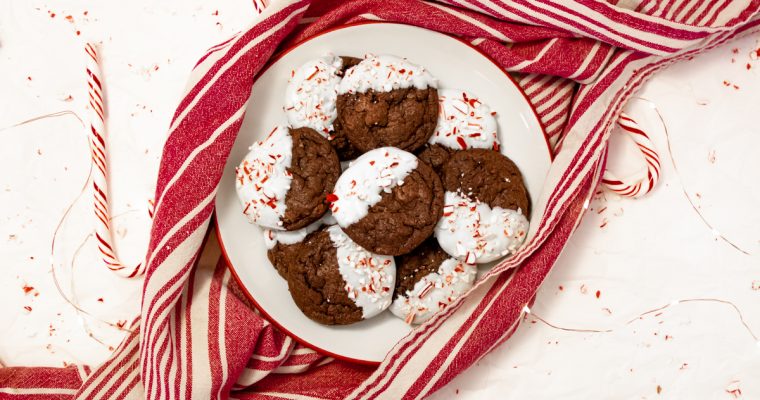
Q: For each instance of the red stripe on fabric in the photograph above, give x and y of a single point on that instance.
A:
(716, 13)
(240, 324)
(214, 349)
(150, 321)
(408, 12)
(189, 337)
(151, 310)
(632, 21)
(551, 97)
(708, 9)
(302, 359)
(157, 352)
(40, 378)
(603, 31)
(129, 387)
(196, 179)
(214, 49)
(587, 95)
(123, 371)
(692, 5)
(560, 116)
(561, 100)
(120, 361)
(178, 334)
(332, 381)
(668, 6)
(596, 65)
(641, 5)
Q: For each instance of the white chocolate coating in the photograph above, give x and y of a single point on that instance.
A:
(360, 186)
(385, 73)
(434, 291)
(476, 233)
(464, 122)
(311, 94)
(262, 179)
(370, 278)
(272, 237)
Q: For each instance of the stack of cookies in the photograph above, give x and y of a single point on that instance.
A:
(380, 190)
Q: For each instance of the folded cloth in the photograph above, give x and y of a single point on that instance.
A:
(197, 336)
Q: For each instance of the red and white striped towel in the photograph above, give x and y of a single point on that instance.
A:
(197, 336)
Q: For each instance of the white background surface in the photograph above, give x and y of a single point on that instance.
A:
(649, 253)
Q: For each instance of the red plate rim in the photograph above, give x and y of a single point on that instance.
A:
(216, 220)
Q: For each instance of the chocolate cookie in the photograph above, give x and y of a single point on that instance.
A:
(387, 101)
(349, 62)
(336, 282)
(489, 177)
(436, 155)
(310, 99)
(387, 201)
(464, 122)
(427, 281)
(282, 246)
(486, 207)
(282, 182)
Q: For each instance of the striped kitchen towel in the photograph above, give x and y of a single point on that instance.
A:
(197, 336)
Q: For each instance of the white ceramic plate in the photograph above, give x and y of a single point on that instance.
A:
(456, 65)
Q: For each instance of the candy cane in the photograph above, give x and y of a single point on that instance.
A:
(96, 117)
(642, 186)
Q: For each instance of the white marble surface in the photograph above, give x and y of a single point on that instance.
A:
(637, 255)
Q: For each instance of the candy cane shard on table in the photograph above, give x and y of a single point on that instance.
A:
(96, 118)
(644, 185)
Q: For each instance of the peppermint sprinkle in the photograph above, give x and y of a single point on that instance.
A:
(370, 278)
(362, 184)
(311, 95)
(476, 233)
(385, 73)
(434, 291)
(464, 122)
(262, 179)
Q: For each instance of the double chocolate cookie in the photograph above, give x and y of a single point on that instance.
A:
(484, 217)
(427, 281)
(282, 246)
(387, 101)
(282, 182)
(336, 282)
(387, 201)
(464, 122)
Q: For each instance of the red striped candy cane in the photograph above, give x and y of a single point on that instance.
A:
(644, 185)
(96, 117)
